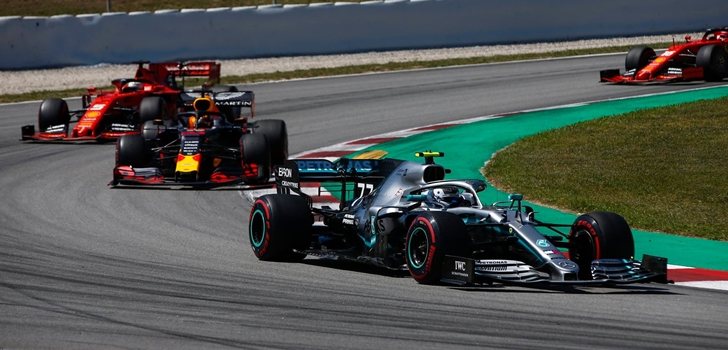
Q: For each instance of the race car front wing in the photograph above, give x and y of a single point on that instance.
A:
(466, 271)
(150, 177)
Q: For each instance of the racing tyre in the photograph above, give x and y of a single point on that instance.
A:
(53, 111)
(131, 150)
(599, 235)
(276, 133)
(152, 107)
(638, 57)
(151, 131)
(278, 224)
(714, 60)
(430, 237)
(255, 158)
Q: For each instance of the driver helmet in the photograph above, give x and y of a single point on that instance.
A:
(448, 197)
(132, 86)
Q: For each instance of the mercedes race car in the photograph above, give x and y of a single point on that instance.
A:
(213, 145)
(404, 215)
(703, 59)
(108, 115)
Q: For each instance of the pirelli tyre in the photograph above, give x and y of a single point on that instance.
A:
(276, 133)
(151, 131)
(53, 112)
(638, 57)
(131, 150)
(280, 227)
(599, 235)
(714, 60)
(152, 107)
(430, 237)
(255, 158)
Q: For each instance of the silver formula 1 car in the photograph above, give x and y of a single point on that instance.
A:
(405, 215)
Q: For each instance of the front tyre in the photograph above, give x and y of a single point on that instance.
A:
(278, 224)
(53, 112)
(599, 235)
(131, 150)
(638, 57)
(430, 237)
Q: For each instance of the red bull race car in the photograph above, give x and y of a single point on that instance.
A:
(213, 145)
(702, 59)
(108, 115)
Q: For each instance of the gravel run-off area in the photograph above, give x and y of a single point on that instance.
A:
(14, 82)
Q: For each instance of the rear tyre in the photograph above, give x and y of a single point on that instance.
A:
(714, 60)
(152, 107)
(53, 111)
(255, 155)
(151, 131)
(131, 150)
(599, 235)
(638, 57)
(276, 133)
(430, 237)
(278, 224)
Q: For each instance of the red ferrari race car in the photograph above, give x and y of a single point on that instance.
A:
(107, 115)
(214, 145)
(703, 59)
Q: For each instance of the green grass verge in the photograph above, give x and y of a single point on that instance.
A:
(320, 72)
(664, 169)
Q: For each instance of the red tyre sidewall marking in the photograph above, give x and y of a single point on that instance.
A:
(266, 239)
(583, 224)
(431, 250)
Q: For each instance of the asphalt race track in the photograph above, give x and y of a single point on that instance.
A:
(83, 266)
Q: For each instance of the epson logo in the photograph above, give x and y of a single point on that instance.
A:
(285, 172)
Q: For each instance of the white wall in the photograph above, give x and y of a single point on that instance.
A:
(35, 42)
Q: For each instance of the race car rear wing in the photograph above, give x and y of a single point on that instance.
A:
(323, 170)
(288, 177)
(209, 69)
(235, 99)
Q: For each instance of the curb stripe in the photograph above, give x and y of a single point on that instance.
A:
(692, 275)
(434, 127)
(372, 141)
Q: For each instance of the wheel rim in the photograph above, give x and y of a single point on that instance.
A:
(257, 228)
(418, 247)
